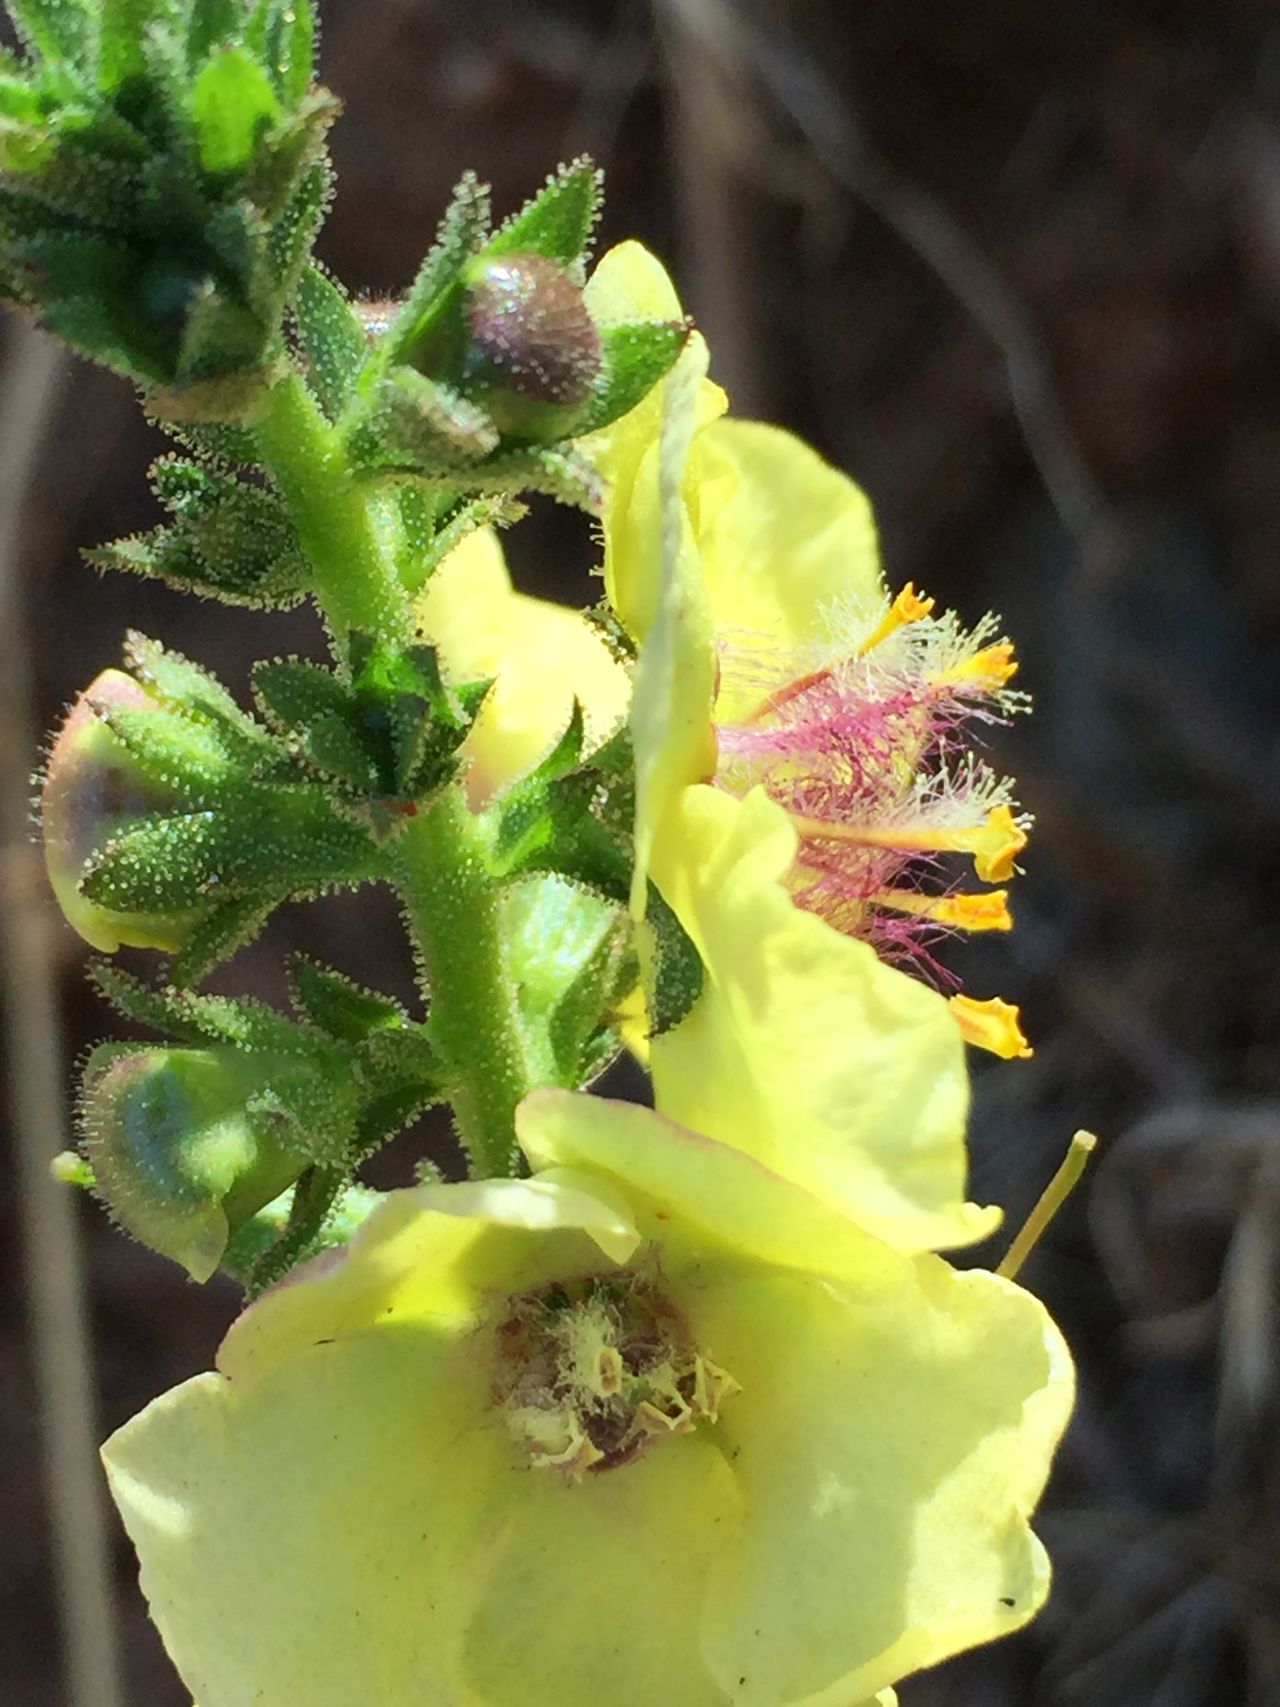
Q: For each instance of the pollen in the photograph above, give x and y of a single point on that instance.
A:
(986, 911)
(590, 1373)
(986, 671)
(907, 607)
(992, 1024)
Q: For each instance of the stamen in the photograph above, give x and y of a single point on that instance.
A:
(994, 843)
(985, 912)
(907, 607)
(992, 1024)
(986, 671)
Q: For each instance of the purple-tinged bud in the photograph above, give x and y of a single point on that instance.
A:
(535, 351)
(93, 790)
(178, 1155)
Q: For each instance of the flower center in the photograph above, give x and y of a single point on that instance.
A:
(591, 1372)
(865, 739)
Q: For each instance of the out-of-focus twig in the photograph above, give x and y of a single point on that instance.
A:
(36, 1077)
(757, 61)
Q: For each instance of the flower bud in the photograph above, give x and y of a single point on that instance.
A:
(535, 352)
(95, 789)
(180, 1154)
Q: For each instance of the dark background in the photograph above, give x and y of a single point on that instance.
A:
(1017, 267)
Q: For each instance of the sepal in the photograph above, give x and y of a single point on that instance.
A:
(494, 362)
(387, 735)
(229, 540)
(187, 1144)
(570, 960)
(172, 820)
(161, 180)
(188, 1139)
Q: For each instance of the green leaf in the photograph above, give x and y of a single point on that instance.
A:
(293, 692)
(424, 548)
(282, 34)
(352, 1206)
(530, 812)
(233, 541)
(333, 747)
(559, 220)
(57, 29)
(240, 1020)
(122, 30)
(186, 686)
(212, 23)
(560, 944)
(266, 843)
(332, 340)
(175, 751)
(637, 355)
(224, 931)
(411, 424)
(337, 1005)
(296, 226)
(461, 233)
(233, 104)
(678, 971)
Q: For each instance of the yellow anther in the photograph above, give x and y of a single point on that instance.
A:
(994, 843)
(985, 912)
(986, 671)
(992, 1024)
(907, 607)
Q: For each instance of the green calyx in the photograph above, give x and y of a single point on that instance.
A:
(492, 364)
(189, 1142)
(162, 175)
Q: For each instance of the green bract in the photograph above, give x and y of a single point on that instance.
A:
(652, 1426)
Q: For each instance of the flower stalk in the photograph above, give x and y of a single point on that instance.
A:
(451, 905)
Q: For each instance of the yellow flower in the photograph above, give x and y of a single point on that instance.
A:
(771, 655)
(805, 1049)
(653, 1426)
(540, 655)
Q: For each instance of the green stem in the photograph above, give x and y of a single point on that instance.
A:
(355, 583)
(452, 906)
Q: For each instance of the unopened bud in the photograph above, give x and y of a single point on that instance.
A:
(94, 790)
(535, 352)
(178, 1154)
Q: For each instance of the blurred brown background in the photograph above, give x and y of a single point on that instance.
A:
(1018, 268)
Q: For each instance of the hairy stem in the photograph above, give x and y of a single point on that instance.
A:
(355, 583)
(452, 906)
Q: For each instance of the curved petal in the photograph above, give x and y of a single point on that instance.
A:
(631, 284)
(675, 674)
(428, 1255)
(540, 655)
(804, 1049)
(786, 541)
(889, 1452)
(697, 1197)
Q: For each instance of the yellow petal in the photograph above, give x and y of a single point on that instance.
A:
(889, 1456)
(542, 656)
(804, 1049)
(786, 539)
(429, 1255)
(631, 284)
(342, 1515)
(693, 1194)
